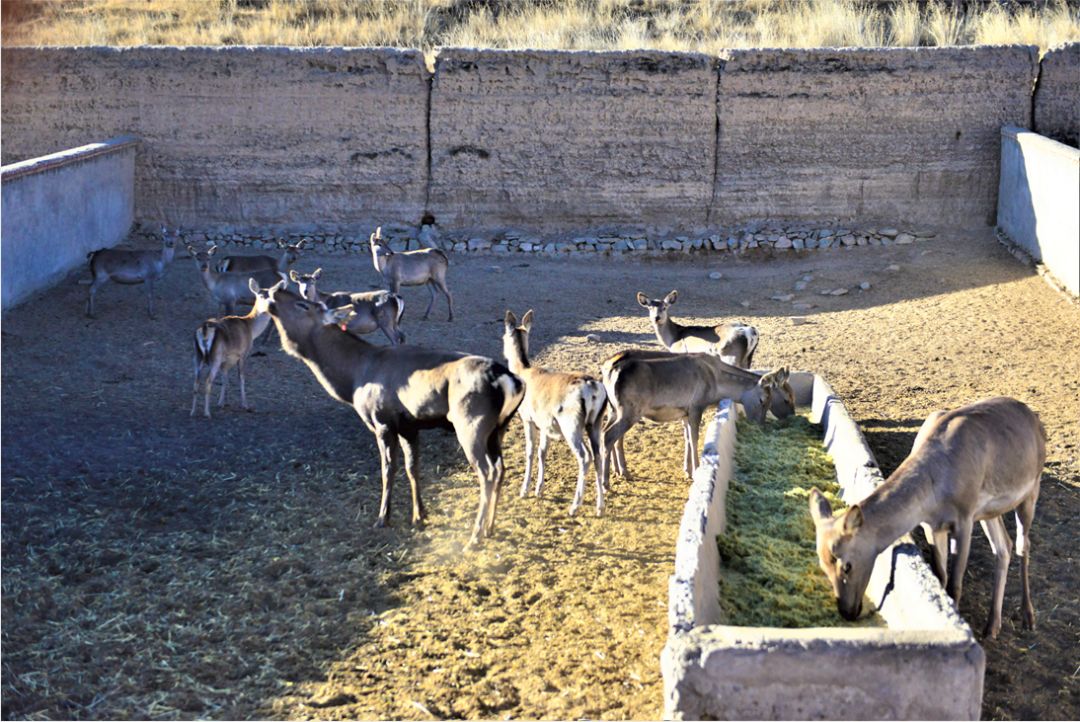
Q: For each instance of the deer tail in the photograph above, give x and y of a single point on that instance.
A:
(204, 339)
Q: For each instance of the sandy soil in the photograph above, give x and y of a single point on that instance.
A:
(160, 566)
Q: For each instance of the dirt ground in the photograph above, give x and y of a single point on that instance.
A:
(160, 566)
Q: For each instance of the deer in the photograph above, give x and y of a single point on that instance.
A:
(131, 267)
(679, 387)
(290, 252)
(229, 288)
(567, 403)
(220, 344)
(399, 390)
(782, 405)
(735, 342)
(371, 310)
(412, 268)
(973, 463)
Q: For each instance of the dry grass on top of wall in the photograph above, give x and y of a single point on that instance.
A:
(696, 25)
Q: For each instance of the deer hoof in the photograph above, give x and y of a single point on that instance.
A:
(991, 630)
(380, 523)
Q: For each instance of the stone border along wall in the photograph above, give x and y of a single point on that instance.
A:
(551, 145)
(58, 208)
(925, 664)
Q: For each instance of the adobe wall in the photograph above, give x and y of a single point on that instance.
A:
(550, 140)
(1057, 96)
(236, 136)
(546, 143)
(893, 134)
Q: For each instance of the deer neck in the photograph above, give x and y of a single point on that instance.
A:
(257, 321)
(167, 255)
(898, 505)
(378, 259)
(516, 356)
(668, 332)
(323, 349)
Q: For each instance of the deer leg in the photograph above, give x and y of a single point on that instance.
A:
(574, 434)
(612, 435)
(431, 301)
(410, 448)
(198, 386)
(597, 452)
(224, 383)
(94, 285)
(498, 468)
(939, 540)
(529, 446)
(243, 393)
(1025, 513)
(469, 438)
(962, 534)
(693, 425)
(541, 456)
(620, 460)
(440, 283)
(388, 443)
(999, 544)
(149, 297)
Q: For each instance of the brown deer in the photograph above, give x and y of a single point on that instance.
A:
(229, 288)
(399, 390)
(131, 267)
(220, 344)
(370, 310)
(566, 403)
(412, 268)
(734, 342)
(782, 405)
(680, 387)
(243, 264)
(974, 463)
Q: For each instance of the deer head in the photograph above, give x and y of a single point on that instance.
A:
(846, 553)
(657, 307)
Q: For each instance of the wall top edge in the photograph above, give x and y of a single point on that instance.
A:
(1031, 138)
(765, 640)
(221, 49)
(62, 158)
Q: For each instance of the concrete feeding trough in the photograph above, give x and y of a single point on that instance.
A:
(923, 664)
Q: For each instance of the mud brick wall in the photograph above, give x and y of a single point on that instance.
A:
(876, 134)
(548, 140)
(236, 136)
(1057, 96)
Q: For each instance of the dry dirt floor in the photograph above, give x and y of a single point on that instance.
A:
(160, 566)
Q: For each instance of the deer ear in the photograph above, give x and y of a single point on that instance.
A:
(211, 250)
(378, 232)
(510, 320)
(526, 320)
(820, 510)
(277, 286)
(316, 274)
(853, 519)
(294, 276)
(254, 286)
(642, 300)
(281, 243)
(671, 298)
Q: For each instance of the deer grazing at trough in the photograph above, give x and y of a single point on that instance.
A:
(679, 387)
(734, 342)
(370, 311)
(974, 463)
(399, 390)
(131, 267)
(782, 405)
(220, 344)
(243, 264)
(228, 288)
(412, 268)
(568, 403)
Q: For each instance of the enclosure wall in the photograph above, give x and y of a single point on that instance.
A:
(58, 208)
(1057, 97)
(540, 141)
(1040, 201)
(249, 137)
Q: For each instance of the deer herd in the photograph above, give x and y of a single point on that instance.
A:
(974, 463)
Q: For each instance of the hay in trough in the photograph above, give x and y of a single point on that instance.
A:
(769, 574)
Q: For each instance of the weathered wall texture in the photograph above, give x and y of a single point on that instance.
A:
(1057, 97)
(560, 140)
(237, 136)
(901, 134)
(58, 208)
(1040, 201)
(542, 142)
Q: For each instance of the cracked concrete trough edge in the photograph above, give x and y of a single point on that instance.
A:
(925, 664)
